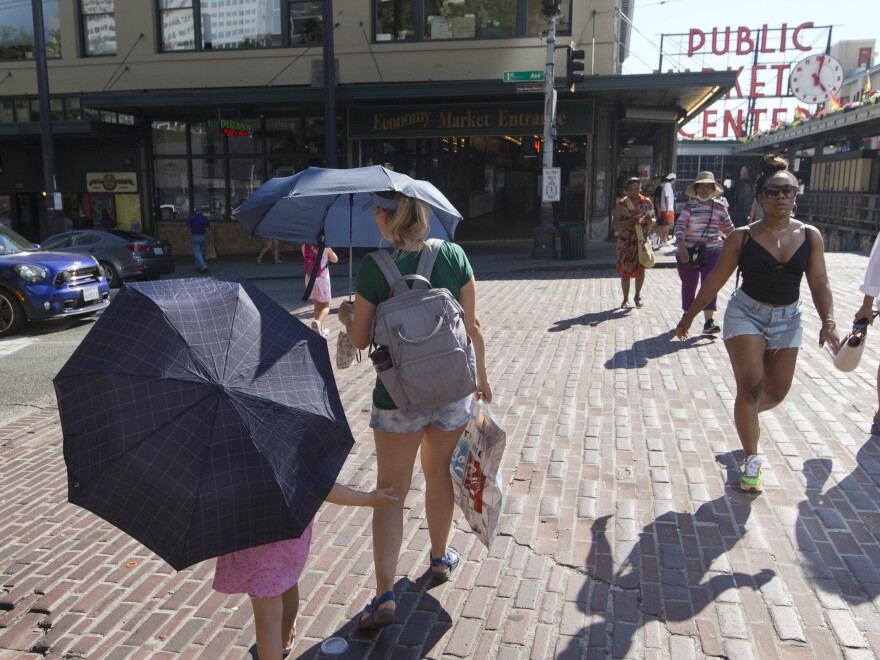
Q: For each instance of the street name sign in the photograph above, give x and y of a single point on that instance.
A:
(529, 87)
(523, 76)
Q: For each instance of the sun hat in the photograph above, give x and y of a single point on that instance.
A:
(704, 177)
(381, 202)
(670, 177)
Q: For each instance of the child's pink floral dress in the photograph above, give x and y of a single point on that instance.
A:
(265, 571)
(321, 291)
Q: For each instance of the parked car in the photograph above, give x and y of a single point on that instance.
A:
(124, 255)
(36, 285)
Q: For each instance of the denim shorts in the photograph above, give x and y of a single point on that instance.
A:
(780, 326)
(446, 418)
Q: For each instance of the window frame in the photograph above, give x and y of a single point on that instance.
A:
(198, 47)
(83, 31)
(418, 9)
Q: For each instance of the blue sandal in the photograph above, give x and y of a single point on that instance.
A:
(449, 562)
(377, 618)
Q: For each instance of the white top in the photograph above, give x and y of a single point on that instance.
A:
(871, 285)
(667, 200)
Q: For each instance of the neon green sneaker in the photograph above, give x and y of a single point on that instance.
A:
(751, 481)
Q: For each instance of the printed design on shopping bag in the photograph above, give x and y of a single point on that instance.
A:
(475, 470)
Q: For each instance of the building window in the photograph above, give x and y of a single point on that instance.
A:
(99, 27)
(17, 30)
(430, 20)
(238, 24)
(490, 19)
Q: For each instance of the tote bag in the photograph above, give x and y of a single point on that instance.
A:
(646, 250)
(476, 473)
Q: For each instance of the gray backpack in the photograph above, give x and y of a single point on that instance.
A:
(432, 359)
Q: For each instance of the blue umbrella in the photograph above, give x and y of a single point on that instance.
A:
(318, 200)
(335, 204)
(201, 418)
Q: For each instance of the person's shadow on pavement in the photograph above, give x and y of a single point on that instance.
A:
(831, 533)
(664, 575)
(417, 611)
(591, 319)
(665, 343)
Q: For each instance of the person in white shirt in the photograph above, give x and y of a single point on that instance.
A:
(871, 288)
(666, 212)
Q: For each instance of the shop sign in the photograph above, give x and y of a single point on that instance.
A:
(573, 117)
(111, 182)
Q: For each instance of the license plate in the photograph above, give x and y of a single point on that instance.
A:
(90, 293)
(159, 250)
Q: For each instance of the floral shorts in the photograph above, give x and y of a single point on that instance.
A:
(446, 418)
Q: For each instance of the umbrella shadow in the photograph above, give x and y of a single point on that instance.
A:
(835, 527)
(668, 574)
(639, 354)
(417, 611)
(591, 319)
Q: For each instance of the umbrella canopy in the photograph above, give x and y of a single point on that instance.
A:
(299, 207)
(201, 418)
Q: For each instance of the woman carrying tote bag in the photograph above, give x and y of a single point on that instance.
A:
(698, 238)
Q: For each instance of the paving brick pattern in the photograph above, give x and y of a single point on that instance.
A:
(623, 533)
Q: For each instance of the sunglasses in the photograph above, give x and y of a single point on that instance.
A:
(787, 191)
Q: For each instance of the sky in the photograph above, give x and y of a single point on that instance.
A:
(850, 19)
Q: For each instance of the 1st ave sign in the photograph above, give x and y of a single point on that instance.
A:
(523, 76)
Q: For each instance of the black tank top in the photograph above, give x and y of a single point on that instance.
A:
(767, 279)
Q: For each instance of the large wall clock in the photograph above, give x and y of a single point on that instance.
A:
(815, 79)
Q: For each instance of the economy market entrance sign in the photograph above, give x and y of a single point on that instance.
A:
(574, 117)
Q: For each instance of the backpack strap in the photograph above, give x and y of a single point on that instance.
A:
(389, 270)
(428, 257)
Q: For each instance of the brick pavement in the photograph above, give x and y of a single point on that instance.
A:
(623, 533)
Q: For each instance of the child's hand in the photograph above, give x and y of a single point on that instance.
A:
(382, 498)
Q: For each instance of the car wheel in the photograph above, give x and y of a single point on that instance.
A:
(11, 314)
(111, 275)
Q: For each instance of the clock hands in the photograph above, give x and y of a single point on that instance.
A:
(816, 79)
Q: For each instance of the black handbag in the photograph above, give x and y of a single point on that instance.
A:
(698, 254)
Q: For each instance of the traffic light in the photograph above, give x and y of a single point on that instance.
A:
(550, 8)
(574, 59)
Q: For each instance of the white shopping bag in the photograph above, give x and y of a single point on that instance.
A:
(476, 473)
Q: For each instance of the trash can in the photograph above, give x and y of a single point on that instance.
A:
(573, 243)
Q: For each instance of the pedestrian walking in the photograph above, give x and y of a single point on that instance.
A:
(273, 246)
(865, 314)
(321, 295)
(270, 575)
(631, 210)
(699, 231)
(665, 207)
(762, 322)
(398, 435)
(198, 225)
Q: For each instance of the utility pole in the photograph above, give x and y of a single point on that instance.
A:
(46, 138)
(545, 234)
(329, 84)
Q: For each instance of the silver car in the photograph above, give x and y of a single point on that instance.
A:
(124, 255)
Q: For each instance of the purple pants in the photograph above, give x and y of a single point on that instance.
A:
(690, 277)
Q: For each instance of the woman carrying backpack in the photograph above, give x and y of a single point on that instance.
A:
(399, 435)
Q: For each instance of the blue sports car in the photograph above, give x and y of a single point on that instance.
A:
(45, 285)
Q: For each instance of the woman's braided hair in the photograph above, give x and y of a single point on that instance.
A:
(768, 167)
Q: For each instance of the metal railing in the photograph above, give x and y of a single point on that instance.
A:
(849, 221)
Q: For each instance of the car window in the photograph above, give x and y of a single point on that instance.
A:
(57, 242)
(86, 239)
(129, 235)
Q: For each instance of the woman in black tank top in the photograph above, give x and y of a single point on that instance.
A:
(762, 323)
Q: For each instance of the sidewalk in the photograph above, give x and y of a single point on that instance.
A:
(623, 532)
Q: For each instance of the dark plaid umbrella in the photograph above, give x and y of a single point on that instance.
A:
(201, 418)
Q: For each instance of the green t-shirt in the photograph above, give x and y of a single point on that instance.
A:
(452, 270)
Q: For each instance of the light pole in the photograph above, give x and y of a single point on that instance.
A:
(545, 234)
(46, 138)
(329, 85)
